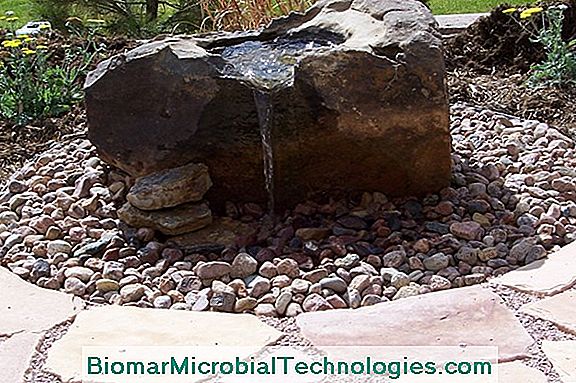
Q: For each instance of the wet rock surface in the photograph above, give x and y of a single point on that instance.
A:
(60, 230)
(365, 89)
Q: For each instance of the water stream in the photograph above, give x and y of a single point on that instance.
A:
(268, 66)
(264, 109)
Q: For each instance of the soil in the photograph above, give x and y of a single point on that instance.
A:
(500, 43)
(488, 65)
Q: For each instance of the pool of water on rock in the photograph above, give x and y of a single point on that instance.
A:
(269, 65)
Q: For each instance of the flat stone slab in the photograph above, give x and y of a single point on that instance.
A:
(15, 356)
(517, 372)
(546, 276)
(559, 309)
(29, 308)
(170, 187)
(131, 326)
(563, 357)
(170, 221)
(473, 316)
(457, 23)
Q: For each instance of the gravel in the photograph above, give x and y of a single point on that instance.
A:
(539, 330)
(510, 203)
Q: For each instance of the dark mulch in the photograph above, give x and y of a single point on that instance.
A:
(507, 93)
(489, 63)
(499, 43)
(20, 143)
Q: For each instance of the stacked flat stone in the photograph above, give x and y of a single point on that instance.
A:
(170, 201)
(511, 202)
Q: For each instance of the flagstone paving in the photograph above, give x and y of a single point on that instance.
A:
(15, 355)
(548, 276)
(43, 309)
(563, 357)
(26, 311)
(517, 372)
(559, 309)
(472, 316)
(121, 326)
(449, 24)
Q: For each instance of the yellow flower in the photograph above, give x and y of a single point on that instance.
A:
(12, 18)
(11, 43)
(45, 26)
(510, 10)
(28, 39)
(529, 12)
(41, 47)
(2, 18)
(27, 51)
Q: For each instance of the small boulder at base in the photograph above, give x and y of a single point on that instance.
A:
(171, 187)
(172, 221)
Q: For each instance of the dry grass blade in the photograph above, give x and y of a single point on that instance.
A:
(231, 15)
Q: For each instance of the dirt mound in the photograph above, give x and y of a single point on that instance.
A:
(499, 43)
(488, 65)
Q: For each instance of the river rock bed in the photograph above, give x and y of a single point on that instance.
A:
(510, 203)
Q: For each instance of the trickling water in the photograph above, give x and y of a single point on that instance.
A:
(268, 66)
(264, 109)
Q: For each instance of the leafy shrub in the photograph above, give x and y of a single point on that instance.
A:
(559, 65)
(34, 85)
(131, 18)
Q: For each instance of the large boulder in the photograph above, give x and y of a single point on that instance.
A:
(365, 108)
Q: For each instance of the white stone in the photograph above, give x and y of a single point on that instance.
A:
(559, 309)
(121, 326)
(546, 276)
(563, 357)
(26, 307)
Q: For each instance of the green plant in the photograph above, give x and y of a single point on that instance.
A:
(34, 85)
(133, 18)
(559, 66)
